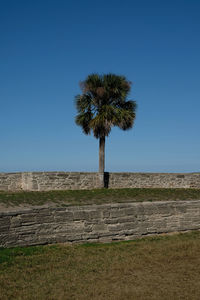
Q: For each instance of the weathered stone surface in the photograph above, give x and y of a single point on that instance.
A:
(10, 181)
(97, 223)
(154, 180)
(46, 181)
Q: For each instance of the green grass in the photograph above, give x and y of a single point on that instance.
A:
(7, 256)
(97, 196)
(164, 267)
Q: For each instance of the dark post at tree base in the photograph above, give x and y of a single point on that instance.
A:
(103, 180)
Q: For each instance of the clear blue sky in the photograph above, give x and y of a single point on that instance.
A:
(47, 47)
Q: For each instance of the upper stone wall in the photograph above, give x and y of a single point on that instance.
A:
(154, 180)
(46, 181)
(10, 181)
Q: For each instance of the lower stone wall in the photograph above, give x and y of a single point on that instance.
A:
(96, 223)
(46, 181)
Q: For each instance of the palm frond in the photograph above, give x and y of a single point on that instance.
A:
(83, 103)
(100, 125)
(83, 120)
(129, 105)
(104, 104)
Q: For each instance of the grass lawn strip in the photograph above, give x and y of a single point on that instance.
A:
(165, 267)
(97, 196)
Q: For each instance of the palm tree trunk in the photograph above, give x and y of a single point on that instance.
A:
(101, 154)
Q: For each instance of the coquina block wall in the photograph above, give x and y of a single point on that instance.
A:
(96, 223)
(45, 181)
(154, 180)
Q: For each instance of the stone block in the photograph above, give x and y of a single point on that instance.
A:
(105, 239)
(81, 215)
(115, 213)
(63, 216)
(115, 227)
(99, 227)
(94, 214)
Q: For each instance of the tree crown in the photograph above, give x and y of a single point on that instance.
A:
(103, 104)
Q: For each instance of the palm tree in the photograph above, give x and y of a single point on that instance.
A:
(103, 104)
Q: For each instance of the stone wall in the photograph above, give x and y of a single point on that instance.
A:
(10, 181)
(45, 181)
(154, 180)
(96, 223)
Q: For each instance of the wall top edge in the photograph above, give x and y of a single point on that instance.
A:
(63, 172)
(93, 207)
